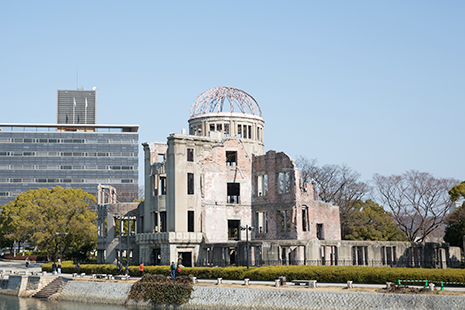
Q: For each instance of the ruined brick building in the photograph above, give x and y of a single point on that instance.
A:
(204, 186)
(213, 197)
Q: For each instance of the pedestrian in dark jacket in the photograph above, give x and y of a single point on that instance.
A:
(173, 270)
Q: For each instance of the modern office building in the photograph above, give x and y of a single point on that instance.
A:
(72, 154)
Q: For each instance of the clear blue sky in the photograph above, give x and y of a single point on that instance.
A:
(377, 85)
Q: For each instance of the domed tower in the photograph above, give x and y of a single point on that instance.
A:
(212, 116)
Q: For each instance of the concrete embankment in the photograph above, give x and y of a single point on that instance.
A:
(96, 292)
(249, 298)
(204, 297)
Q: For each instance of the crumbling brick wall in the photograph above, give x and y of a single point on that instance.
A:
(278, 203)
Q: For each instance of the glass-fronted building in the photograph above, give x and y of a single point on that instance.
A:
(33, 156)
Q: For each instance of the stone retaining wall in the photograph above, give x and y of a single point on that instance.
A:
(96, 292)
(204, 297)
(240, 298)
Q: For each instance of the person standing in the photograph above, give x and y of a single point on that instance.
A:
(141, 269)
(172, 271)
(178, 270)
(77, 267)
(59, 266)
(54, 267)
(119, 267)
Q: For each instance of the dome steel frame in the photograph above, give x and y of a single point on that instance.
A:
(214, 99)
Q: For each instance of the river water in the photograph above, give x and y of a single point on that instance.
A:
(16, 303)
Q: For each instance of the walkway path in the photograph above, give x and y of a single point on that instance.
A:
(19, 266)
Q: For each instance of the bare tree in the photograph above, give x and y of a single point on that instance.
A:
(418, 201)
(338, 185)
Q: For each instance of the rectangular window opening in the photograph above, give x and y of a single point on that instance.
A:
(234, 193)
(231, 158)
(305, 218)
(284, 220)
(163, 221)
(262, 223)
(262, 185)
(319, 232)
(190, 154)
(226, 130)
(190, 221)
(239, 131)
(283, 182)
(162, 186)
(233, 229)
(190, 184)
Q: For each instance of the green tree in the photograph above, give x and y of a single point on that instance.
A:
(48, 218)
(455, 229)
(455, 221)
(371, 222)
(456, 191)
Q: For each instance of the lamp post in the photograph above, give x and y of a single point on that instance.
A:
(61, 243)
(247, 229)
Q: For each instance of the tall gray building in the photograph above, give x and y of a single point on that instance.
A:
(80, 155)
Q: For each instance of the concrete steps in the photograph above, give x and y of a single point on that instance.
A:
(50, 289)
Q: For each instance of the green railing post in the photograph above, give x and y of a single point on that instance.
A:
(442, 286)
(398, 282)
(426, 283)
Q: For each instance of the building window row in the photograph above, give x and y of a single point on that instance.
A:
(68, 180)
(80, 141)
(283, 179)
(161, 226)
(9, 194)
(68, 154)
(68, 167)
(243, 131)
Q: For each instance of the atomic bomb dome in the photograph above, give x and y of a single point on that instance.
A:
(227, 112)
(214, 100)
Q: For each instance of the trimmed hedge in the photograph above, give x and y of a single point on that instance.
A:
(160, 289)
(336, 274)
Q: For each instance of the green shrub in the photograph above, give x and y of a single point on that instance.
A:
(160, 289)
(336, 274)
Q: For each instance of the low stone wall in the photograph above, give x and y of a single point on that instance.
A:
(214, 297)
(96, 292)
(23, 286)
(240, 298)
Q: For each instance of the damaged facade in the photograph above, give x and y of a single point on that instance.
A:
(213, 197)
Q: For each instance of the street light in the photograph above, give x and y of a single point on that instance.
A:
(61, 243)
(247, 229)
